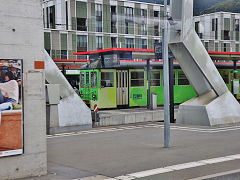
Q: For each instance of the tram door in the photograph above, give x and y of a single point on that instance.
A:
(122, 87)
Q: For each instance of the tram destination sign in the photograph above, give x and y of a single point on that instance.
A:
(111, 60)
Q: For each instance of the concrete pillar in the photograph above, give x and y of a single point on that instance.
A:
(21, 37)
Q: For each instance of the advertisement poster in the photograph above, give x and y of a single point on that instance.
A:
(11, 121)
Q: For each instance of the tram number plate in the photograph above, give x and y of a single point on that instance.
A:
(137, 96)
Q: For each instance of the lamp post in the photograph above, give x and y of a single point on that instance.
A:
(166, 79)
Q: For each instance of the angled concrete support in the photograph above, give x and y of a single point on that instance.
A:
(72, 110)
(215, 104)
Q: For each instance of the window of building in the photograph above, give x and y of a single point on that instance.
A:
(107, 79)
(98, 26)
(143, 29)
(236, 24)
(197, 27)
(114, 42)
(128, 11)
(44, 25)
(137, 78)
(113, 19)
(81, 43)
(206, 45)
(99, 43)
(66, 5)
(216, 46)
(129, 43)
(81, 24)
(143, 12)
(93, 79)
(226, 35)
(82, 80)
(126, 27)
(155, 78)
(144, 44)
(98, 10)
(226, 47)
(113, 27)
(214, 24)
(182, 79)
(113, 10)
(237, 48)
(52, 17)
(156, 30)
(156, 14)
(63, 54)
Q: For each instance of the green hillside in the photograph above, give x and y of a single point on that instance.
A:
(226, 6)
(201, 5)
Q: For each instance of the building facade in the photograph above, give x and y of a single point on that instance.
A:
(219, 31)
(87, 25)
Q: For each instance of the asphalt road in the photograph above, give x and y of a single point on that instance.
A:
(123, 150)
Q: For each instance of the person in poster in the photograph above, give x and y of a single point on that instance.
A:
(11, 128)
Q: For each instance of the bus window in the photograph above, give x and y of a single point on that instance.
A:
(182, 79)
(155, 78)
(82, 80)
(137, 78)
(107, 79)
(94, 79)
(87, 79)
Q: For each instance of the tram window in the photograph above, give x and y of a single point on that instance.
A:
(137, 79)
(225, 77)
(182, 79)
(82, 80)
(155, 79)
(87, 79)
(107, 79)
(94, 79)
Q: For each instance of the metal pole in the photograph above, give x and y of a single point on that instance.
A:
(166, 79)
(149, 84)
(171, 89)
(235, 74)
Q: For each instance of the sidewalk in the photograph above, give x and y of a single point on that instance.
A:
(130, 116)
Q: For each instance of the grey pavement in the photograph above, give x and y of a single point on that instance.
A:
(121, 150)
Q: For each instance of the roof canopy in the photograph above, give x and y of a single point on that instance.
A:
(231, 56)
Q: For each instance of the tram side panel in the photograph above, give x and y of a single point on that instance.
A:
(137, 88)
(157, 85)
(183, 91)
(104, 93)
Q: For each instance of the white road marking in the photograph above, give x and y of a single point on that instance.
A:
(177, 167)
(156, 125)
(151, 172)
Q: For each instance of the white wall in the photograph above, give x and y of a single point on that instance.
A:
(26, 42)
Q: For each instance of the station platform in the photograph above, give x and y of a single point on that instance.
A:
(130, 116)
